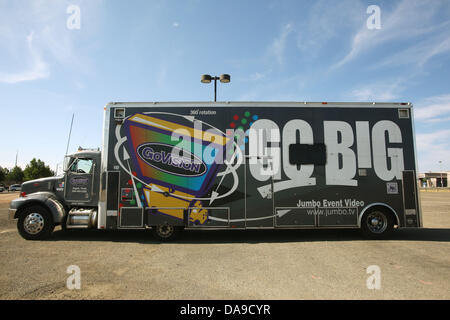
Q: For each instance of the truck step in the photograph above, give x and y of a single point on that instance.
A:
(75, 226)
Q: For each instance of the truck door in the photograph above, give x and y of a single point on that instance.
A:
(259, 196)
(79, 180)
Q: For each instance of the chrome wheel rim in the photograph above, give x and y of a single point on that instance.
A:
(33, 223)
(165, 231)
(377, 222)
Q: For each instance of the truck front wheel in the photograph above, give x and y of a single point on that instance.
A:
(35, 223)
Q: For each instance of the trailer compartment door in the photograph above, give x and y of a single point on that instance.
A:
(259, 195)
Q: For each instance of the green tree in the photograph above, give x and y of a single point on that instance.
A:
(15, 175)
(2, 174)
(37, 169)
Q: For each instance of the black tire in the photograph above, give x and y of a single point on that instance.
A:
(35, 223)
(377, 223)
(165, 232)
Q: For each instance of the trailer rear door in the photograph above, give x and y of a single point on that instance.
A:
(411, 208)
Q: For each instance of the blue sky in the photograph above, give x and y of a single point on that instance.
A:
(157, 50)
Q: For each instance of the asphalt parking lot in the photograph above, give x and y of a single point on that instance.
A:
(272, 264)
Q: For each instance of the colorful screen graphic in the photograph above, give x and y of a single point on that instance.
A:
(179, 161)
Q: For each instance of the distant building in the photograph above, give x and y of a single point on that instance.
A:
(434, 179)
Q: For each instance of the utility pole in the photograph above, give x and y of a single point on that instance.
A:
(17, 154)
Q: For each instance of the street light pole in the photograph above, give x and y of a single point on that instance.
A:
(224, 78)
(440, 168)
(215, 89)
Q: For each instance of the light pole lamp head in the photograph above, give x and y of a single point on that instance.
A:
(206, 78)
(225, 78)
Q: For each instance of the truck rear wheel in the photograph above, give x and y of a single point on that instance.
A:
(377, 223)
(35, 223)
(165, 232)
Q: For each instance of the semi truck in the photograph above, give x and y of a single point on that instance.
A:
(169, 166)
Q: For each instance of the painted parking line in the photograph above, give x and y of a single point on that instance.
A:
(6, 231)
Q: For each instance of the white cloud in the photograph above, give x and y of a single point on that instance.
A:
(384, 91)
(79, 85)
(434, 109)
(38, 69)
(161, 78)
(175, 24)
(374, 94)
(433, 147)
(257, 76)
(49, 44)
(410, 18)
(437, 120)
(422, 52)
(326, 21)
(278, 45)
(424, 140)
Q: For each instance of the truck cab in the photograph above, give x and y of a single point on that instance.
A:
(69, 200)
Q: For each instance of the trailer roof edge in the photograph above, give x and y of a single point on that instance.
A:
(263, 104)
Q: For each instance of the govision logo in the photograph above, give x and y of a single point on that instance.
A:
(79, 181)
(170, 159)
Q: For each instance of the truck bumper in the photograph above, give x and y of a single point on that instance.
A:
(12, 212)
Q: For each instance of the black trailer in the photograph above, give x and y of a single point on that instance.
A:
(243, 165)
